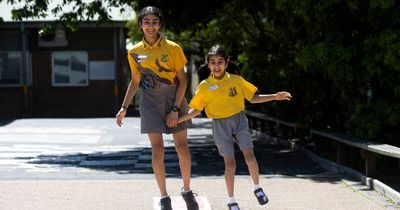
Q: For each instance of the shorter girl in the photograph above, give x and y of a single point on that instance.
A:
(222, 95)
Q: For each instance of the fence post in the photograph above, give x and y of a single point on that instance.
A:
(340, 153)
(251, 124)
(263, 126)
(370, 162)
(271, 127)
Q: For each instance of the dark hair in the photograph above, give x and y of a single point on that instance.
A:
(203, 72)
(153, 11)
(217, 50)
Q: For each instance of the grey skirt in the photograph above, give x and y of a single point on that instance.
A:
(154, 106)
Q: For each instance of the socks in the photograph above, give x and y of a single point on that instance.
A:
(256, 187)
(231, 200)
(183, 191)
(164, 197)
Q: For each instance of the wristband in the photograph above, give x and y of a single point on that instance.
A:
(175, 108)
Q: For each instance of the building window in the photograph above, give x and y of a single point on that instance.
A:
(70, 68)
(10, 68)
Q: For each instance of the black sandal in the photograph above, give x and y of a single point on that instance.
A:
(261, 196)
(190, 201)
(165, 203)
(233, 206)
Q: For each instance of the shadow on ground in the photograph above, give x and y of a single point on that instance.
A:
(272, 159)
(4, 122)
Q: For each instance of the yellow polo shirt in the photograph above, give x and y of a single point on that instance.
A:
(222, 98)
(158, 63)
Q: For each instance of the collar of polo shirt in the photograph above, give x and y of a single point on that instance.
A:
(156, 44)
(226, 77)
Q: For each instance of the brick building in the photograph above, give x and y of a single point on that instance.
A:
(70, 74)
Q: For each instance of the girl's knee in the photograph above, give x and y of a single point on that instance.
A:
(251, 161)
(230, 166)
(181, 148)
(250, 158)
(157, 152)
(230, 169)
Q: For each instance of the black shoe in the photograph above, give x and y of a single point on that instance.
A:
(261, 196)
(190, 201)
(233, 206)
(165, 203)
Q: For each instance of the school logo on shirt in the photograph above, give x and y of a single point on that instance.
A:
(232, 91)
(164, 58)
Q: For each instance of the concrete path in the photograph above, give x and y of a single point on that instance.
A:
(284, 193)
(90, 164)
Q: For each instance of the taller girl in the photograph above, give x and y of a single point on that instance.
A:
(157, 67)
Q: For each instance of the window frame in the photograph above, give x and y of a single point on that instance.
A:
(19, 84)
(69, 53)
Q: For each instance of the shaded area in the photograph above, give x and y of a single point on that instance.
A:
(279, 159)
(272, 159)
(6, 121)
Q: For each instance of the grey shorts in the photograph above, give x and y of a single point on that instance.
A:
(227, 131)
(154, 106)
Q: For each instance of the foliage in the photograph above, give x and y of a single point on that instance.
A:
(81, 10)
(47, 29)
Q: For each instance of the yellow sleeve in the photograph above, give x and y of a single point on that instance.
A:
(180, 59)
(247, 88)
(132, 63)
(197, 101)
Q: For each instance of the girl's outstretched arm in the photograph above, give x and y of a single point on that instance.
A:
(259, 98)
(192, 113)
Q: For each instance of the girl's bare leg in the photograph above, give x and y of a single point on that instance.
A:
(252, 164)
(230, 168)
(157, 161)
(185, 160)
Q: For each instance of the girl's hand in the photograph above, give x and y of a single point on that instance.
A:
(120, 116)
(172, 119)
(283, 96)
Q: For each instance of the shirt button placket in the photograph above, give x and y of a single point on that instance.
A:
(150, 52)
